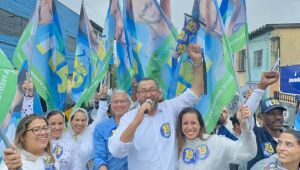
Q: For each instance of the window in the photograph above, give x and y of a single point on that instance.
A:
(71, 44)
(12, 24)
(258, 58)
(241, 58)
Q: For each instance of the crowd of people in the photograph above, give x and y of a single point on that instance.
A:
(145, 132)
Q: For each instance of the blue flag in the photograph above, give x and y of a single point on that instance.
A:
(42, 39)
(82, 73)
(235, 23)
(221, 84)
(151, 37)
(125, 70)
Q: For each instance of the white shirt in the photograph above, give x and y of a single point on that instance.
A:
(31, 162)
(216, 152)
(83, 143)
(64, 151)
(253, 103)
(153, 145)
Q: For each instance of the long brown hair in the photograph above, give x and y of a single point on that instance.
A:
(179, 133)
(22, 129)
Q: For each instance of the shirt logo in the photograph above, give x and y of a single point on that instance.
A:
(58, 151)
(165, 130)
(113, 131)
(267, 149)
(188, 156)
(202, 152)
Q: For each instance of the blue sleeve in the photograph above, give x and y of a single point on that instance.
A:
(100, 152)
(224, 131)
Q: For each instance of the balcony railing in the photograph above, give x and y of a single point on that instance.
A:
(290, 98)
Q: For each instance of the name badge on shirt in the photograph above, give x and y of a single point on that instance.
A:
(188, 156)
(58, 151)
(48, 163)
(165, 130)
(113, 131)
(272, 166)
(202, 152)
(267, 149)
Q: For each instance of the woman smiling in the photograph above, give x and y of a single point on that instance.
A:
(33, 143)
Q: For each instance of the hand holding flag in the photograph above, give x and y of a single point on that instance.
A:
(195, 53)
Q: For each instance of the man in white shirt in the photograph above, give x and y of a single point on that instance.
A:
(147, 134)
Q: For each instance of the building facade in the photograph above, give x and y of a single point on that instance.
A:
(15, 16)
(268, 45)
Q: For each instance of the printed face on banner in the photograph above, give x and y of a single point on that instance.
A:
(209, 15)
(45, 11)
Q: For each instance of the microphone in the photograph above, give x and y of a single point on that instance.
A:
(150, 102)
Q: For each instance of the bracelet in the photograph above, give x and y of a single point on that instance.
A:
(103, 99)
(197, 64)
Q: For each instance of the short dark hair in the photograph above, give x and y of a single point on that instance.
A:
(147, 79)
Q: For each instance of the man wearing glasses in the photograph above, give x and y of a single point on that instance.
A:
(147, 134)
(120, 104)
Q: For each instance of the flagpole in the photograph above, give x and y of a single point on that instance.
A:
(241, 99)
(6, 142)
(247, 48)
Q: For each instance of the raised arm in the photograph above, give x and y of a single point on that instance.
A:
(267, 79)
(245, 148)
(195, 54)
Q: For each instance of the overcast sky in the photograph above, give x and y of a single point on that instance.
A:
(259, 12)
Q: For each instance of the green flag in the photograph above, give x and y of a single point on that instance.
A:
(8, 84)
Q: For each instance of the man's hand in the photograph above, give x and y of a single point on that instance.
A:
(141, 111)
(267, 79)
(12, 158)
(195, 54)
(103, 94)
(242, 114)
(128, 134)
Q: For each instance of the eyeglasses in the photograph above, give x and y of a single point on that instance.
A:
(119, 101)
(144, 92)
(38, 130)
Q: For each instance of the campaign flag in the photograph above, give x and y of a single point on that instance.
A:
(221, 84)
(166, 7)
(183, 75)
(235, 23)
(150, 38)
(124, 69)
(21, 105)
(42, 40)
(189, 30)
(8, 83)
(82, 73)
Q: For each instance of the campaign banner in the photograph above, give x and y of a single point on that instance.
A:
(290, 79)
